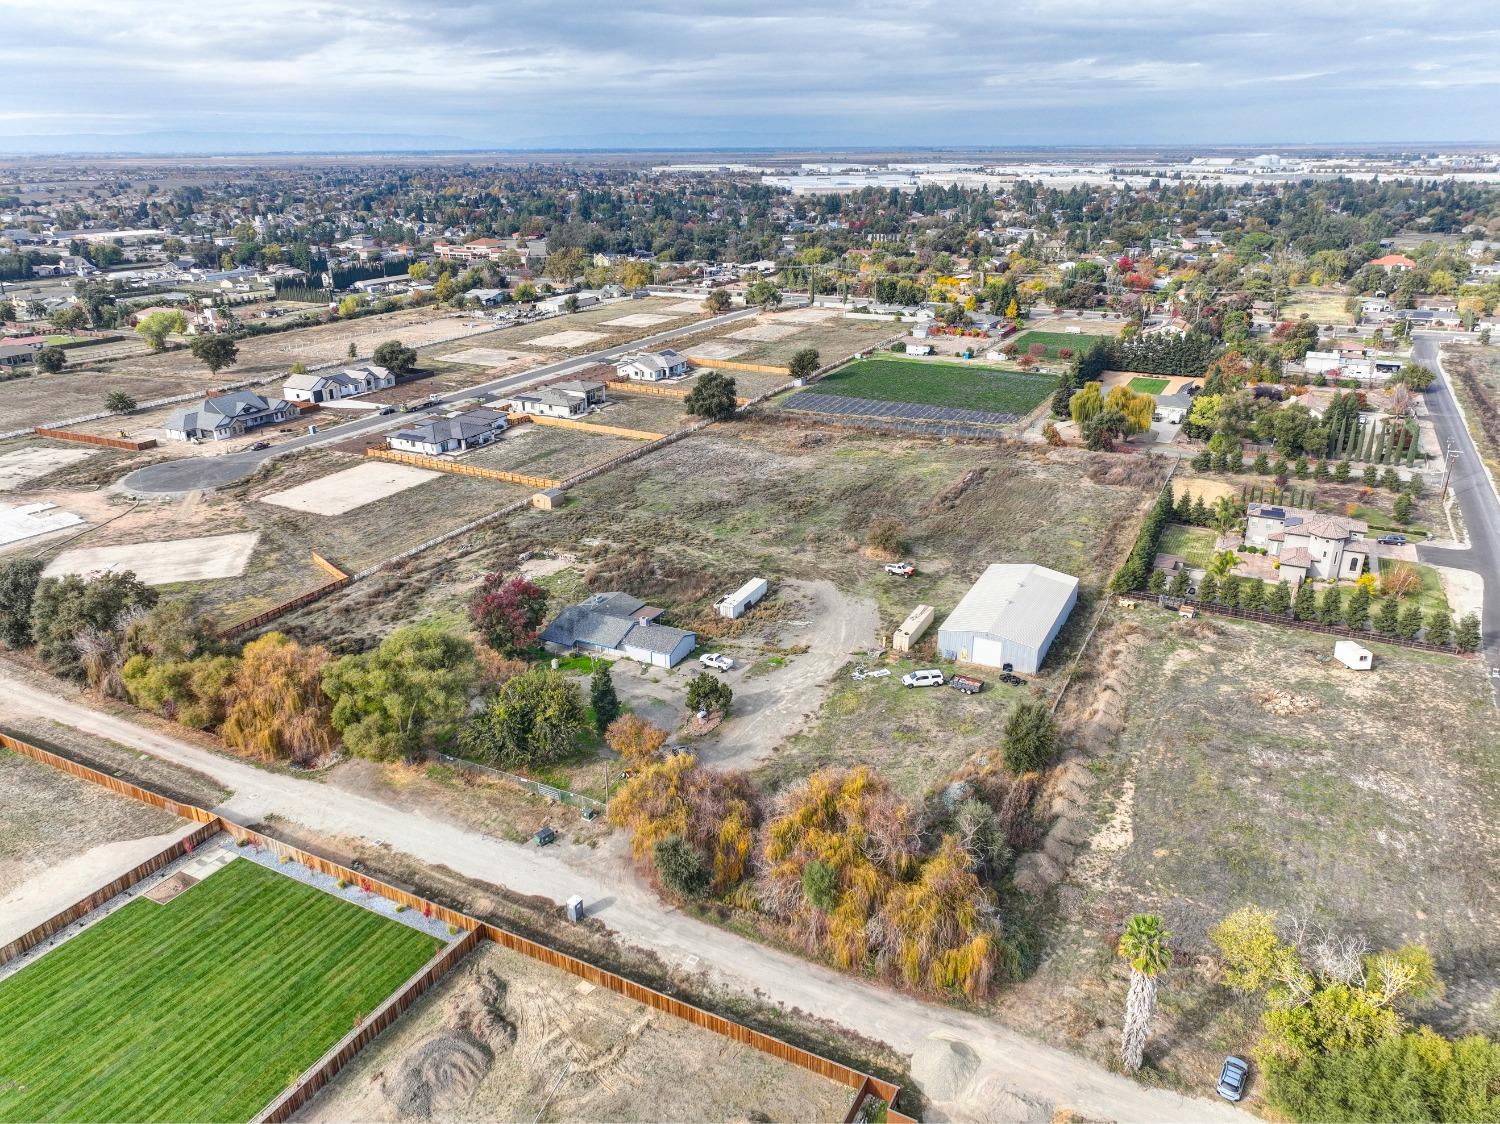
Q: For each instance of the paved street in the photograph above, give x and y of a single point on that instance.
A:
(1473, 491)
(185, 474)
(613, 891)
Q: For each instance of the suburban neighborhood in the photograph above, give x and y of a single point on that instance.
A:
(581, 599)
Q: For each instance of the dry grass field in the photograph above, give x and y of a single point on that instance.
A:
(593, 321)
(1322, 306)
(504, 1037)
(835, 338)
(45, 398)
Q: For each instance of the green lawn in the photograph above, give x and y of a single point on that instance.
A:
(201, 1009)
(1055, 341)
(1196, 544)
(1142, 385)
(1430, 596)
(962, 386)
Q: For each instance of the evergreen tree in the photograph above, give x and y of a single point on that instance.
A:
(1410, 622)
(1262, 464)
(1208, 588)
(1252, 595)
(1390, 480)
(1370, 477)
(1387, 617)
(1467, 636)
(1342, 470)
(1331, 605)
(1402, 508)
(1229, 590)
(1357, 612)
(602, 696)
(1305, 604)
(1320, 471)
(1199, 512)
(1279, 599)
(1157, 582)
(1439, 627)
(1180, 583)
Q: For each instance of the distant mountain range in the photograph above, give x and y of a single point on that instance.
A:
(227, 144)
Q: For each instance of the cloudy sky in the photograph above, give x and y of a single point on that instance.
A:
(325, 74)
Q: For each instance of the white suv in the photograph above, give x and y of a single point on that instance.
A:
(716, 661)
(928, 677)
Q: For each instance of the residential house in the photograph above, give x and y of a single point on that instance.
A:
(455, 433)
(616, 624)
(1307, 544)
(653, 366)
(1174, 408)
(1396, 263)
(17, 355)
(227, 415)
(487, 298)
(1350, 361)
(325, 386)
(1430, 317)
(559, 400)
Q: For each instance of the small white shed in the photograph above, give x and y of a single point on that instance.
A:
(912, 628)
(1352, 655)
(733, 605)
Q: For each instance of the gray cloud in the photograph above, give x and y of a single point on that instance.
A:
(750, 72)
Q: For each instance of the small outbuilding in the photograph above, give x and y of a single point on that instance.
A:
(918, 621)
(733, 605)
(1010, 616)
(1354, 656)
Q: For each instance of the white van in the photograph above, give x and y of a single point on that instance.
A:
(928, 677)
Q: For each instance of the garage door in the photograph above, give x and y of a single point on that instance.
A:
(988, 651)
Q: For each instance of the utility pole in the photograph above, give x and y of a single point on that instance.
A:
(1450, 456)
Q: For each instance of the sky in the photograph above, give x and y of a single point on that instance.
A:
(327, 75)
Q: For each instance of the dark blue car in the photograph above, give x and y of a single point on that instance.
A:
(1232, 1078)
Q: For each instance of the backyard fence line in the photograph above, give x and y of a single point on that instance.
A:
(93, 439)
(458, 468)
(322, 1071)
(328, 1066)
(340, 579)
(84, 906)
(591, 427)
(1168, 602)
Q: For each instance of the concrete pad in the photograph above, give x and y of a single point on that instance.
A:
(485, 356)
(27, 464)
(352, 488)
(717, 349)
(809, 315)
(638, 320)
(162, 563)
(767, 332)
(572, 338)
(29, 520)
(685, 306)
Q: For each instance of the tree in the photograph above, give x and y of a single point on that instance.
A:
(1086, 404)
(19, 578)
(1102, 430)
(718, 301)
(214, 351)
(804, 362)
(1439, 627)
(1143, 946)
(409, 693)
(1305, 604)
(1137, 408)
(1030, 738)
(1208, 588)
(1410, 622)
(534, 719)
(763, 294)
(712, 811)
(887, 535)
(155, 327)
(118, 402)
(1331, 605)
(395, 357)
(680, 865)
(712, 397)
(1466, 638)
(635, 739)
(602, 697)
(709, 694)
(1387, 616)
(63, 609)
(1400, 579)
(1402, 508)
(274, 707)
(51, 360)
(1157, 582)
(1357, 611)
(508, 612)
(1278, 599)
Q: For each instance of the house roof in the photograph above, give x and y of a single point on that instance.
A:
(1179, 401)
(661, 638)
(1296, 557)
(1331, 527)
(1393, 259)
(1021, 602)
(662, 360)
(612, 620)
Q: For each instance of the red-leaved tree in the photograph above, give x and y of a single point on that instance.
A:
(508, 613)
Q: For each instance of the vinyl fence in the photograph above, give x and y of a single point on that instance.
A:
(323, 1071)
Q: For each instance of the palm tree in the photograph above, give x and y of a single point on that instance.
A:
(1144, 947)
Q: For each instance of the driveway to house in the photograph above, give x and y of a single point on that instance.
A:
(1047, 1078)
(770, 708)
(186, 474)
(1473, 491)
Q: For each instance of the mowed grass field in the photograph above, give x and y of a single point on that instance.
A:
(1055, 342)
(1142, 385)
(201, 1009)
(961, 386)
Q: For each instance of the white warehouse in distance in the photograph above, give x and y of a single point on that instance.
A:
(733, 605)
(1010, 615)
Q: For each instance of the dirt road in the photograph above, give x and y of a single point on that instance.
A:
(1040, 1074)
(772, 708)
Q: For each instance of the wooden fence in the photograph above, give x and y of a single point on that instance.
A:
(458, 468)
(92, 439)
(732, 365)
(327, 1067)
(1370, 635)
(624, 386)
(249, 624)
(594, 427)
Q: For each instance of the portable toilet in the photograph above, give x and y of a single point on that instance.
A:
(575, 908)
(1352, 655)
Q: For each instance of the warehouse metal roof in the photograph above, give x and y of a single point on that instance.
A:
(1020, 602)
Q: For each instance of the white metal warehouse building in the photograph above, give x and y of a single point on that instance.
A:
(1010, 615)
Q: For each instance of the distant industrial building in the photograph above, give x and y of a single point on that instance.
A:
(1010, 616)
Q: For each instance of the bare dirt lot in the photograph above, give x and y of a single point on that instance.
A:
(46, 398)
(1475, 374)
(1253, 769)
(507, 1038)
(537, 337)
(548, 451)
(62, 838)
(773, 339)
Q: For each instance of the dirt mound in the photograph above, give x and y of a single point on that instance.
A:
(444, 1070)
(954, 491)
(944, 1068)
(1287, 704)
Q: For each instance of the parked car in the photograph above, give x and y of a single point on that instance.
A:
(1392, 540)
(900, 569)
(716, 661)
(966, 683)
(927, 677)
(259, 445)
(387, 410)
(1232, 1077)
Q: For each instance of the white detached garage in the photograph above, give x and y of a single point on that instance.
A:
(1010, 615)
